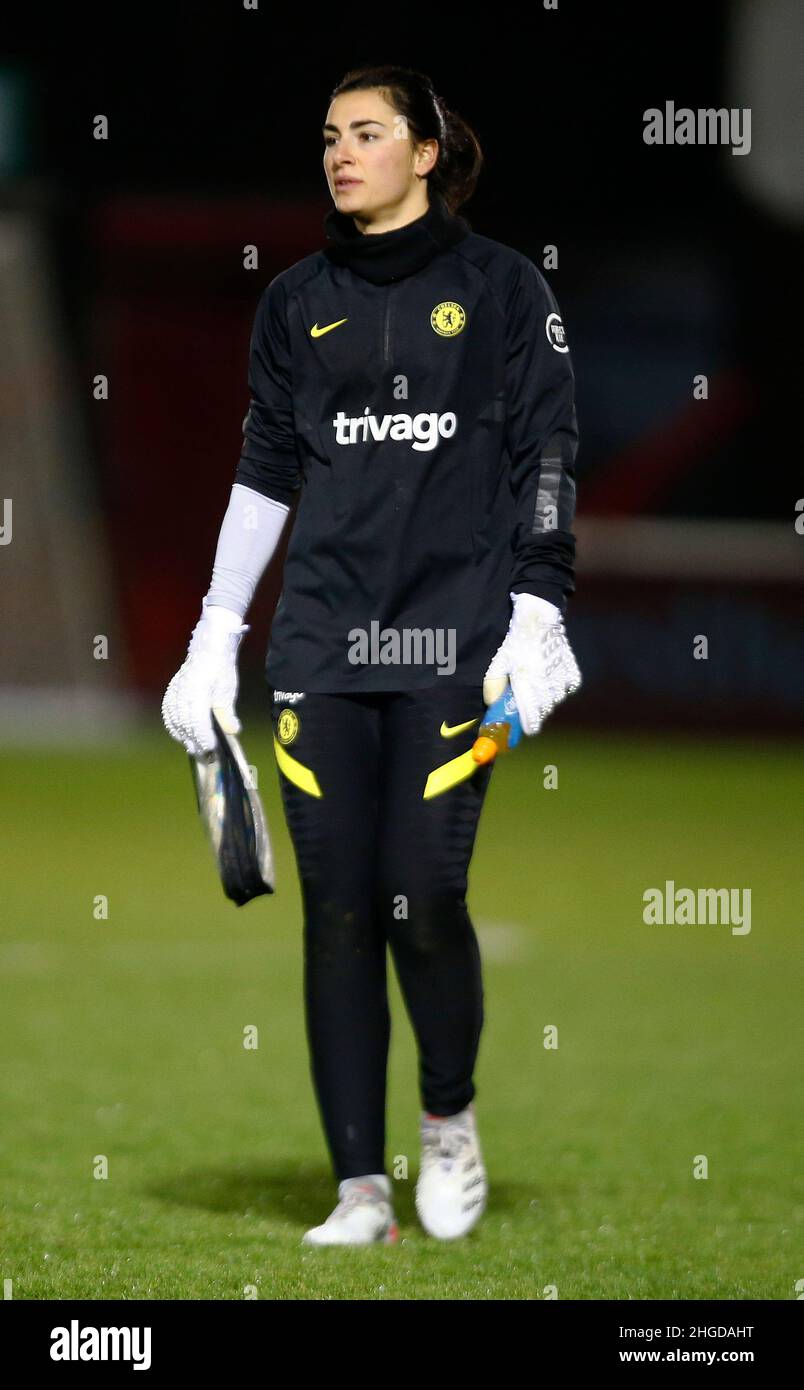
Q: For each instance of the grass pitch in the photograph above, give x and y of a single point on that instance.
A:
(124, 1038)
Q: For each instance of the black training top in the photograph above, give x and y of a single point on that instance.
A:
(416, 388)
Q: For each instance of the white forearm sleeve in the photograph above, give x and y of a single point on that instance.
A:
(249, 535)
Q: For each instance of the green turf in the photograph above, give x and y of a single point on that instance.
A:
(124, 1038)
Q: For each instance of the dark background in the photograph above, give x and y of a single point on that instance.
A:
(669, 266)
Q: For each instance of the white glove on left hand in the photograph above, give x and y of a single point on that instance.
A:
(536, 658)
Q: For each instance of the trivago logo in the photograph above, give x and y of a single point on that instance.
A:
(425, 429)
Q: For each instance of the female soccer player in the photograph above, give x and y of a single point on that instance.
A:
(412, 383)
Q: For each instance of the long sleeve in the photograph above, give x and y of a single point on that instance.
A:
(268, 460)
(250, 533)
(542, 436)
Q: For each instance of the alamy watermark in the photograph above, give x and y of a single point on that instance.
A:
(688, 907)
(77, 1343)
(407, 646)
(705, 126)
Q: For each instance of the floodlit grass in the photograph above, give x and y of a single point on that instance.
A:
(124, 1038)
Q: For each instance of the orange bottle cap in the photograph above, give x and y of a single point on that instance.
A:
(484, 749)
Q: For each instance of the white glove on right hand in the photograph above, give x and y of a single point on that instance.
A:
(208, 679)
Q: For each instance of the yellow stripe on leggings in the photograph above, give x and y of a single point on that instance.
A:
(295, 771)
(448, 774)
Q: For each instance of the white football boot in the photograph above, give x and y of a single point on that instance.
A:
(364, 1214)
(452, 1188)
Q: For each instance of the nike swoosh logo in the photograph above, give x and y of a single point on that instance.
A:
(446, 732)
(316, 332)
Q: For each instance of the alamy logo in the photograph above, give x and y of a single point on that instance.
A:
(75, 1343)
(709, 906)
(407, 646)
(706, 126)
(424, 430)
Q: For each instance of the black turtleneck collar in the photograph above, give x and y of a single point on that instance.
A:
(385, 256)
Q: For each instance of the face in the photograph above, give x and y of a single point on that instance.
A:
(370, 160)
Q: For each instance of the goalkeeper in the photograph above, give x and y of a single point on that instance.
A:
(411, 386)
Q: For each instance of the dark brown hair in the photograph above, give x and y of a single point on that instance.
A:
(460, 157)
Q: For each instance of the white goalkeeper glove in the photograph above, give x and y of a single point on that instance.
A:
(536, 658)
(207, 679)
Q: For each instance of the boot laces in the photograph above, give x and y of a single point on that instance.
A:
(356, 1196)
(451, 1139)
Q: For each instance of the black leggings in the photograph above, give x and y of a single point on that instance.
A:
(379, 862)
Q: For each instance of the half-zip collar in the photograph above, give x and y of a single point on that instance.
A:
(387, 256)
